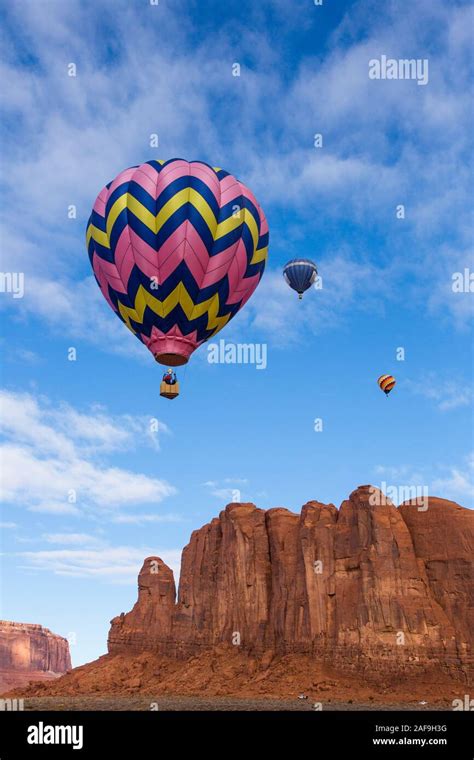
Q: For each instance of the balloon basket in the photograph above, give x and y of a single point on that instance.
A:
(169, 391)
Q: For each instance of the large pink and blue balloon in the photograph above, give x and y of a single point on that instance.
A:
(177, 249)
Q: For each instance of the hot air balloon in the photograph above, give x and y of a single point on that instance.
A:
(386, 383)
(177, 249)
(300, 274)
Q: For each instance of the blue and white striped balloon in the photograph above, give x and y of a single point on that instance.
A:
(300, 274)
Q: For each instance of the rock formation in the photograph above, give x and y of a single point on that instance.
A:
(30, 652)
(368, 587)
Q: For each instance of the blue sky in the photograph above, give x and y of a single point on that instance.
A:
(84, 425)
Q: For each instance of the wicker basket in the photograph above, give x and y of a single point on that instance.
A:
(169, 391)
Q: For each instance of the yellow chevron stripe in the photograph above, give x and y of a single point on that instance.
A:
(174, 203)
(260, 255)
(98, 235)
(162, 308)
(229, 224)
(202, 206)
(193, 311)
(252, 225)
(155, 223)
(232, 222)
(186, 195)
(119, 205)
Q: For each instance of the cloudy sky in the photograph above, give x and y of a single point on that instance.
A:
(98, 471)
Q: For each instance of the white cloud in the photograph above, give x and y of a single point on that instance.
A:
(71, 538)
(85, 314)
(226, 489)
(459, 482)
(143, 519)
(52, 445)
(22, 421)
(225, 494)
(213, 483)
(447, 394)
(116, 565)
(277, 314)
(47, 505)
(404, 474)
(91, 126)
(446, 481)
(61, 429)
(25, 355)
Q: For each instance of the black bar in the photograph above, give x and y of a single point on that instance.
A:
(447, 734)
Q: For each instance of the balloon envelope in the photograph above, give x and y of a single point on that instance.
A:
(177, 248)
(300, 274)
(386, 383)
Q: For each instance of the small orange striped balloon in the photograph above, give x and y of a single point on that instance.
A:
(386, 383)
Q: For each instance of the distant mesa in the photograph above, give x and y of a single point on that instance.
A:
(29, 652)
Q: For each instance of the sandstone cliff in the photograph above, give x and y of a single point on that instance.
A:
(368, 587)
(30, 652)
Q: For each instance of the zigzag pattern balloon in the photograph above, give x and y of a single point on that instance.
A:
(177, 249)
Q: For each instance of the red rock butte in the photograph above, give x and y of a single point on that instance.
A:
(366, 586)
(271, 601)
